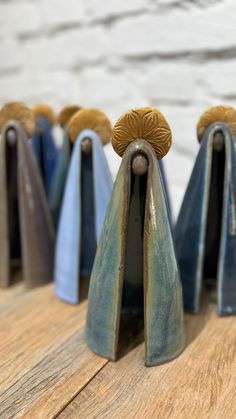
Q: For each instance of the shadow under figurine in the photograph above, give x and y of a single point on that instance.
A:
(86, 197)
(205, 233)
(26, 229)
(135, 271)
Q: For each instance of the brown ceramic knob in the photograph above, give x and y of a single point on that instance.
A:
(225, 114)
(146, 123)
(66, 114)
(93, 119)
(18, 111)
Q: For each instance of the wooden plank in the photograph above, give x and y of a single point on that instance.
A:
(226, 408)
(8, 294)
(13, 292)
(44, 359)
(195, 385)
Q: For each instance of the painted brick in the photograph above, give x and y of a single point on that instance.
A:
(176, 33)
(19, 17)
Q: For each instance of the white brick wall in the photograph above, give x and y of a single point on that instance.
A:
(179, 55)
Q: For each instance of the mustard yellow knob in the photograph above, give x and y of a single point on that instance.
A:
(42, 109)
(93, 119)
(66, 114)
(146, 123)
(18, 111)
(221, 113)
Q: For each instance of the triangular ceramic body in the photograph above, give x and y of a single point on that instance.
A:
(117, 268)
(165, 188)
(45, 150)
(87, 194)
(26, 229)
(205, 234)
(58, 180)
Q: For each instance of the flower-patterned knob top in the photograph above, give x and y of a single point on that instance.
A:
(146, 123)
(66, 114)
(45, 110)
(18, 111)
(93, 119)
(221, 113)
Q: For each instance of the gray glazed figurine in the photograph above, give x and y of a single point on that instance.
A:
(135, 273)
(26, 229)
(205, 234)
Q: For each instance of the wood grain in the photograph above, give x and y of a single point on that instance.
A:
(44, 359)
(47, 371)
(11, 293)
(201, 383)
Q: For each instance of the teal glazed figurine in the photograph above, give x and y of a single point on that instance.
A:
(135, 269)
(165, 188)
(205, 234)
(62, 165)
(26, 229)
(86, 197)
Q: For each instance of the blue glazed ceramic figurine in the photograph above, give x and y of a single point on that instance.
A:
(135, 274)
(26, 229)
(205, 233)
(87, 194)
(43, 143)
(63, 160)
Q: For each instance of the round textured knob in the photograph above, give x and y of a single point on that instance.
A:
(146, 123)
(18, 111)
(93, 119)
(66, 114)
(42, 109)
(225, 114)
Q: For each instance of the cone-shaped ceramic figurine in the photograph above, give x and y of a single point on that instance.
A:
(43, 143)
(86, 197)
(63, 160)
(26, 229)
(205, 233)
(165, 189)
(135, 269)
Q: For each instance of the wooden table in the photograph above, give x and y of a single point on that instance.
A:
(46, 369)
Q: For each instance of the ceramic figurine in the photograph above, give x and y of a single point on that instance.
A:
(43, 142)
(135, 269)
(87, 194)
(205, 233)
(26, 229)
(165, 189)
(63, 160)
